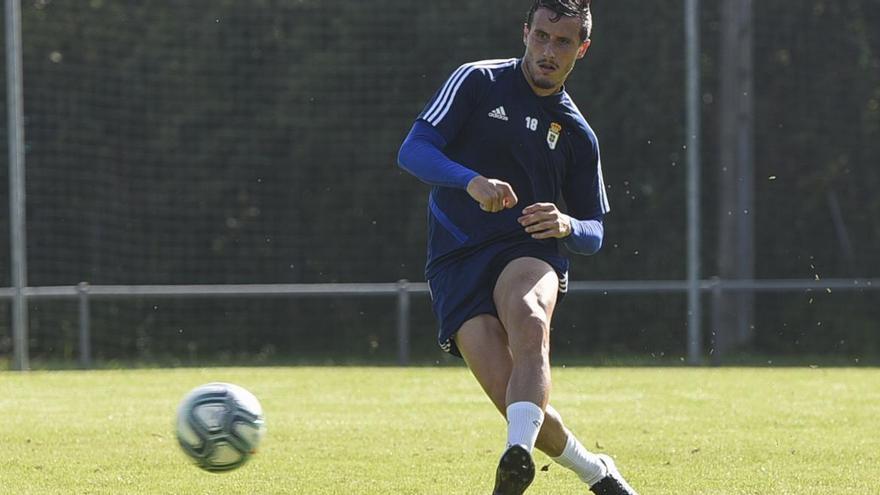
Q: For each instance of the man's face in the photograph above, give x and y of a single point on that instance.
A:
(551, 50)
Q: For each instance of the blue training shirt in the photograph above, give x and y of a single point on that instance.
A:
(495, 125)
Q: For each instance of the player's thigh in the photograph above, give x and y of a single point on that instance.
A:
(525, 293)
(482, 342)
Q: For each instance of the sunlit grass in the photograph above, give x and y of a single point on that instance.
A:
(347, 430)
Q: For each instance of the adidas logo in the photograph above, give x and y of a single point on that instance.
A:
(499, 114)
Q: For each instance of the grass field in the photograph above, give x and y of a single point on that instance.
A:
(431, 431)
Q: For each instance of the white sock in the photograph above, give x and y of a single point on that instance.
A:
(524, 421)
(584, 463)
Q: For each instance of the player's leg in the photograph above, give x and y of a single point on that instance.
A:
(482, 342)
(528, 384)
(525, 297)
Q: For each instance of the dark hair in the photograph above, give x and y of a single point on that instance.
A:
(567, 8)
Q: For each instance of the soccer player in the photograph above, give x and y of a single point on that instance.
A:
(500, 142)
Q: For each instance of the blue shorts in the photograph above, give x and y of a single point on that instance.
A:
(463, 288)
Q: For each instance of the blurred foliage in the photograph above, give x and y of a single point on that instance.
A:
(220, 141)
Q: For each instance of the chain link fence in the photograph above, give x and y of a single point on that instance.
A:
(228, 142)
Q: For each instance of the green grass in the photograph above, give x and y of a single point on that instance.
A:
(431, 431)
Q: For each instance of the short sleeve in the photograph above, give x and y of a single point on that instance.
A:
(584, 188)
(453, 103)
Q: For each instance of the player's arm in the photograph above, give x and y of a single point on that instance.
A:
(586, 235)
(422, 151)
(545, 221)
(422, 155)
(581, 230)
(585, 197)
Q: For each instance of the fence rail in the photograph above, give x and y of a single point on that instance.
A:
(402, 289)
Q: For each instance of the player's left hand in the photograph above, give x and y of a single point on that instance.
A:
(544, 221)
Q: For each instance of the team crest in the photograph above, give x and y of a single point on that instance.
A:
(553, 135)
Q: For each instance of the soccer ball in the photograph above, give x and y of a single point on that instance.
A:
(219, 426)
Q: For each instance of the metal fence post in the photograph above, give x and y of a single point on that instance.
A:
(85, 333)
(403, 322)
(693, 140)
(17, 228)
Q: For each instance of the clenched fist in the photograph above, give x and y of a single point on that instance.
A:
(492, 194)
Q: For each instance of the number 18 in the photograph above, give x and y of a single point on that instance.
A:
(532, 123)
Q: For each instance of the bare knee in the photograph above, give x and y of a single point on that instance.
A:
(526, 317)
(530, 338)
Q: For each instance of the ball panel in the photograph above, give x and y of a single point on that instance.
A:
(226, 456)
(211, 416)
(250, 434)
(187, 435)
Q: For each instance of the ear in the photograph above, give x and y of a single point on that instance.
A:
(525, 34)
(582, 50)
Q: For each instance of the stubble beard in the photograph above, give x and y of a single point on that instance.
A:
(539, 82)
